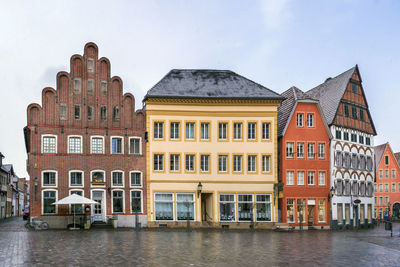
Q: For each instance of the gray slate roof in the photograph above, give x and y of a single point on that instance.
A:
(330, 93)
(285, 108)
(397, 156)
(196, 83)
(378, 151)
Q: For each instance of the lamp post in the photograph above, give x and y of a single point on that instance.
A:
(36, 182)
(199, 189)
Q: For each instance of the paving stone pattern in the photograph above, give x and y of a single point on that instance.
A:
(126, 247)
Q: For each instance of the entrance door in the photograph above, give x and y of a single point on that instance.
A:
(206, 207)
(98, 211)
(310, 215)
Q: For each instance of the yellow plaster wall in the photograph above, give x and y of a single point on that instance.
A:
(212, 182)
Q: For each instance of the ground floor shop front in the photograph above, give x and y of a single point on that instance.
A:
(211, 205)
(305, 212)
(349, 213)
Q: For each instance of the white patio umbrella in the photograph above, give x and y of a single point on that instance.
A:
(74, 199)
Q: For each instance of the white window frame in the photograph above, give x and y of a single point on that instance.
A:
(252, 163)
(300, 120)
(190, 128)
(112, 201)
(191, 162)
(173, 206)
(252, 131)
(176, 162)
(266, 202)
(226, 163)
(319, 178)
(208, 163)
(162, 162)
(263, 131)
(140, 145)
(105, 177)
(223, 131)
(91, 140)
(141, 179)
(266, 167)
(194, 205)
(237, 164)
(289, 178)
(172, 128)
(252, 205)
(56, 178)
(122, 144)
(203, 133)
(321, 155)
(158, 133)
(83, 179)
(219, 206)
(289, 150)
(42, 201)
(123, 179)
(298, 180)
(141, 200)
(42, 147)
(237, 131)
(308, 180)
(298, 145)
(81, 148)
(308, 119)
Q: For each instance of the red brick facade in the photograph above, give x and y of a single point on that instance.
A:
(87, 102)
(305, 191)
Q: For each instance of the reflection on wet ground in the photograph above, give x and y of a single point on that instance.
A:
(197, 248)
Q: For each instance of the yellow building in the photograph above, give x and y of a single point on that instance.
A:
(211, 150)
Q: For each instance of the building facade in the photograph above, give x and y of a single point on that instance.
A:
(304, 140)
(345, 108)
(4, 186)
(212, 151)
(387, 183)
(87, 139)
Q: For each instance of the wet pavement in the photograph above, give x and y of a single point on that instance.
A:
(126, 247)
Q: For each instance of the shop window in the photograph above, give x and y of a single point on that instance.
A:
(227, 207)
(49, 197)
(185, 206)
(300, 210)
(245, 207)
(117, 201)
(136, 201)
(290, 210)
(76, 208)
(321, 210)
(164, 206)
(263, 208)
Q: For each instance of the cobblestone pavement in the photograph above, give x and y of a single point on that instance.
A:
(126, 247)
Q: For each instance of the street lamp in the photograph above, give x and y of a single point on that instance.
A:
(330, 196)
(199, 188)
(36, 182)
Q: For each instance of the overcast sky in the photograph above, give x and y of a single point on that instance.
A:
(275, 43)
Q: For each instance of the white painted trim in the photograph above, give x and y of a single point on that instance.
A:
(42, 178)
(141, 199)
(41, 144)
(140, 145)
(83, 179)
(194, 205)
(97, 136)
(42, 202)
(141, 179)
(104, 201)
(123, 179)
(270, 203)
(122, 144)
(173, 206)
(81, 148)
(123, 201)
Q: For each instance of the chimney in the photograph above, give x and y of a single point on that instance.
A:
(1, 159)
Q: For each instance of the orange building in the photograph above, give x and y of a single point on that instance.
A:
(304, 161)
(387, 182)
